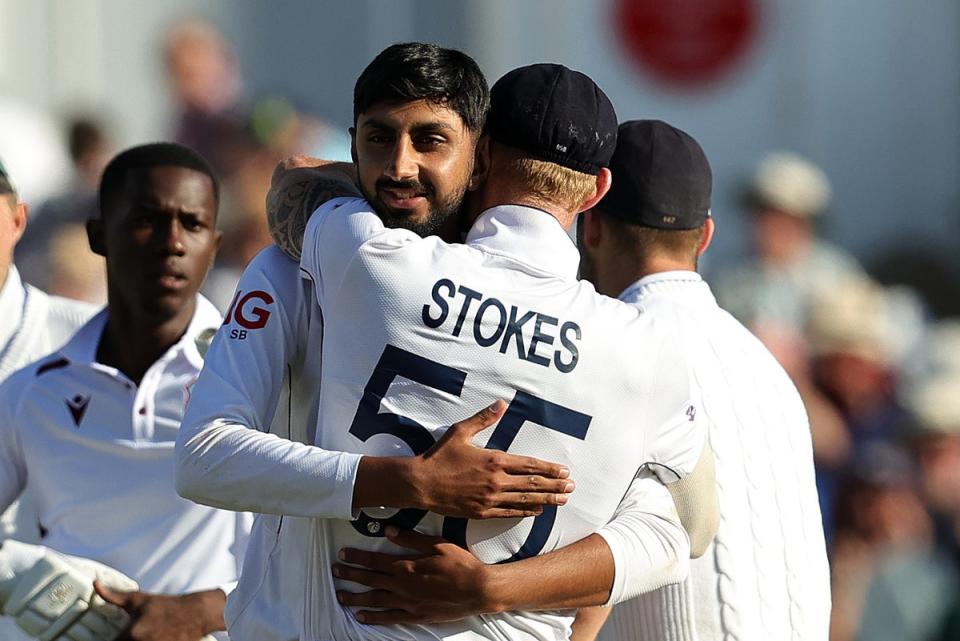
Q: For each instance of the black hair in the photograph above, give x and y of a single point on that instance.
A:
(157, 154)
(412, 71)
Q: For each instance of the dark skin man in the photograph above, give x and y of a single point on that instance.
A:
(159, 239)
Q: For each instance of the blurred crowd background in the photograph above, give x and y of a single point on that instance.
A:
(834, 133)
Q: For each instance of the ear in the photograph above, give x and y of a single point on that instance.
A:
(20, 213)
(353, 144)
(95, 236)
(217, 240)
(481, 164)
(604, 181)
(707, 236)
(591, 228)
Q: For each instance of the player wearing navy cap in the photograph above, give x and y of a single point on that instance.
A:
(507, 318)
(766, 574)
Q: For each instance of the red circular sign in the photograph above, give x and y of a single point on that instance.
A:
(686, 42)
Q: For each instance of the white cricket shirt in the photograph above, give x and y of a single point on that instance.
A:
(96, 452)
(419, 333)
(765, 576)
(242, 442)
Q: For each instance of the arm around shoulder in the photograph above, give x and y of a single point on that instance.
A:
(299, 186)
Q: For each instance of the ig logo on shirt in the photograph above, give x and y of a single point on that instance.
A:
(249, 312)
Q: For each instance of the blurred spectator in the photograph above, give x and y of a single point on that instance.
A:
(936, 440)
(89, 151)
(914, 594)
(855, 357)
(883, 533)
(935, 403)
(853, 366)
(205, 79)
(771, 293)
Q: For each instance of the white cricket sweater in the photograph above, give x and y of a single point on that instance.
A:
(765, 577)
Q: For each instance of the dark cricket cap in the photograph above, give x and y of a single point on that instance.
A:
(661, 177)
(555, 114)
(6, 183)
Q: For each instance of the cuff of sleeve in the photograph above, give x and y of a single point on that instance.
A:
(641, 566)
(347, 466)
(227, 587)
(615, 542)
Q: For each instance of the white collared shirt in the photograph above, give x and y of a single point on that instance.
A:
(419, 334)
(765, 576)
(96, 451)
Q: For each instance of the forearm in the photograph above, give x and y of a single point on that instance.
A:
(234, 467)
(578, 575)
(643, 548)
(299, 186)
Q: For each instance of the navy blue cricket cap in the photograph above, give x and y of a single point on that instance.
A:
(555, 114)
(6, 183)
(661, 177)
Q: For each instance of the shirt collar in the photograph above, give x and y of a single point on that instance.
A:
(665, 282)
(82, 348)
(529, 235)
(12, 298)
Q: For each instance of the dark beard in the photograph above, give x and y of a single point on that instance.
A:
(440, 212)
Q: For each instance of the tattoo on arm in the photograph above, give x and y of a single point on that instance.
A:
(290, 205)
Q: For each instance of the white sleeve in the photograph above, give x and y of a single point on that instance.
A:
(649, 545)
(675, 420)
(334, 235)
(678, 452)
(13, 469)
(225, 457)
(647, 537)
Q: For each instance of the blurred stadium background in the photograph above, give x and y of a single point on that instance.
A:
(867, 91)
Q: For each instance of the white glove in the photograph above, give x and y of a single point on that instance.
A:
(50, 595)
